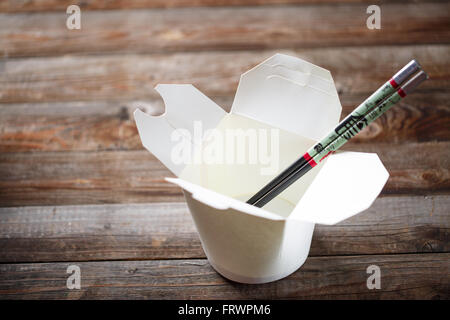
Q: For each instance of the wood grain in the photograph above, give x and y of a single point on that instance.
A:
(393, 225)
(60, 178)
(232, 28)
(132, 77)
(84, 178)
(103, 125)
(61, 5)
(77, 188)
(87, 126)
(402, 277)
(422, 117)
(413, 168)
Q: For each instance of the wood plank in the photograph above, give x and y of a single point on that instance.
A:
(61, 5)
(412, 276)
(197, 29)
(424, 116)
(414, 168)
(83, 178)
(132, 77)
(81, 126)
(152, 231)
(61, 178)
(98, 126)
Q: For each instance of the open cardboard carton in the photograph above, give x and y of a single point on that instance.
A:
(242, 242)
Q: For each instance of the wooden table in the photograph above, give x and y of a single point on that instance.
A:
(77, 188)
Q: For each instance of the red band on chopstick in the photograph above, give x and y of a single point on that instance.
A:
(310, 160)
(326, 155)
(393, 83)
(401, 93)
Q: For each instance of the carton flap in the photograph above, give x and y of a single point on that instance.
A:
(220, 201)
(347, 184)
(185, 105)
(291, 94)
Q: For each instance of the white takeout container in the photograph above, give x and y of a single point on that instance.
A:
(257, 245)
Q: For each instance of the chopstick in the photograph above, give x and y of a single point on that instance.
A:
(379, 95)
(363, 115)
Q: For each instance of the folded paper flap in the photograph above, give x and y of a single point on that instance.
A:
(296, 64)
(347, 184)
(284, 92)
(150, 127)
(220, 201)
(186, 107)
(289, 93)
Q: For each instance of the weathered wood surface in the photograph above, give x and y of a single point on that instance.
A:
(61, 5)
(58, 178)
(97, 126)
(77, 187)
(411, 276)
(78, 126)
(166, 231)
(129, 77)
(198, 29)
(424, 116)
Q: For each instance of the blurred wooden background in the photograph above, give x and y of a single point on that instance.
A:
(77, 187)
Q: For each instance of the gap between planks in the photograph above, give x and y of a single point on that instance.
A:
(14, 6)
(57, 178)
(102, 125)
(221, 28)
(356, 71)
(392, 225)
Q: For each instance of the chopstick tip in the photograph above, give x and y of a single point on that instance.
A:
(415, 81)
(415, 62)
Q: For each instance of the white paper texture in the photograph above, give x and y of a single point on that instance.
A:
(347, 184)
(291, 94)
(184, 106)
(242, 242)
(283, 92)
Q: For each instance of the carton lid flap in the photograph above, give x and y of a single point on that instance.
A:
(347, 184)
(185, 106)
(291, 94)
(220, 201)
